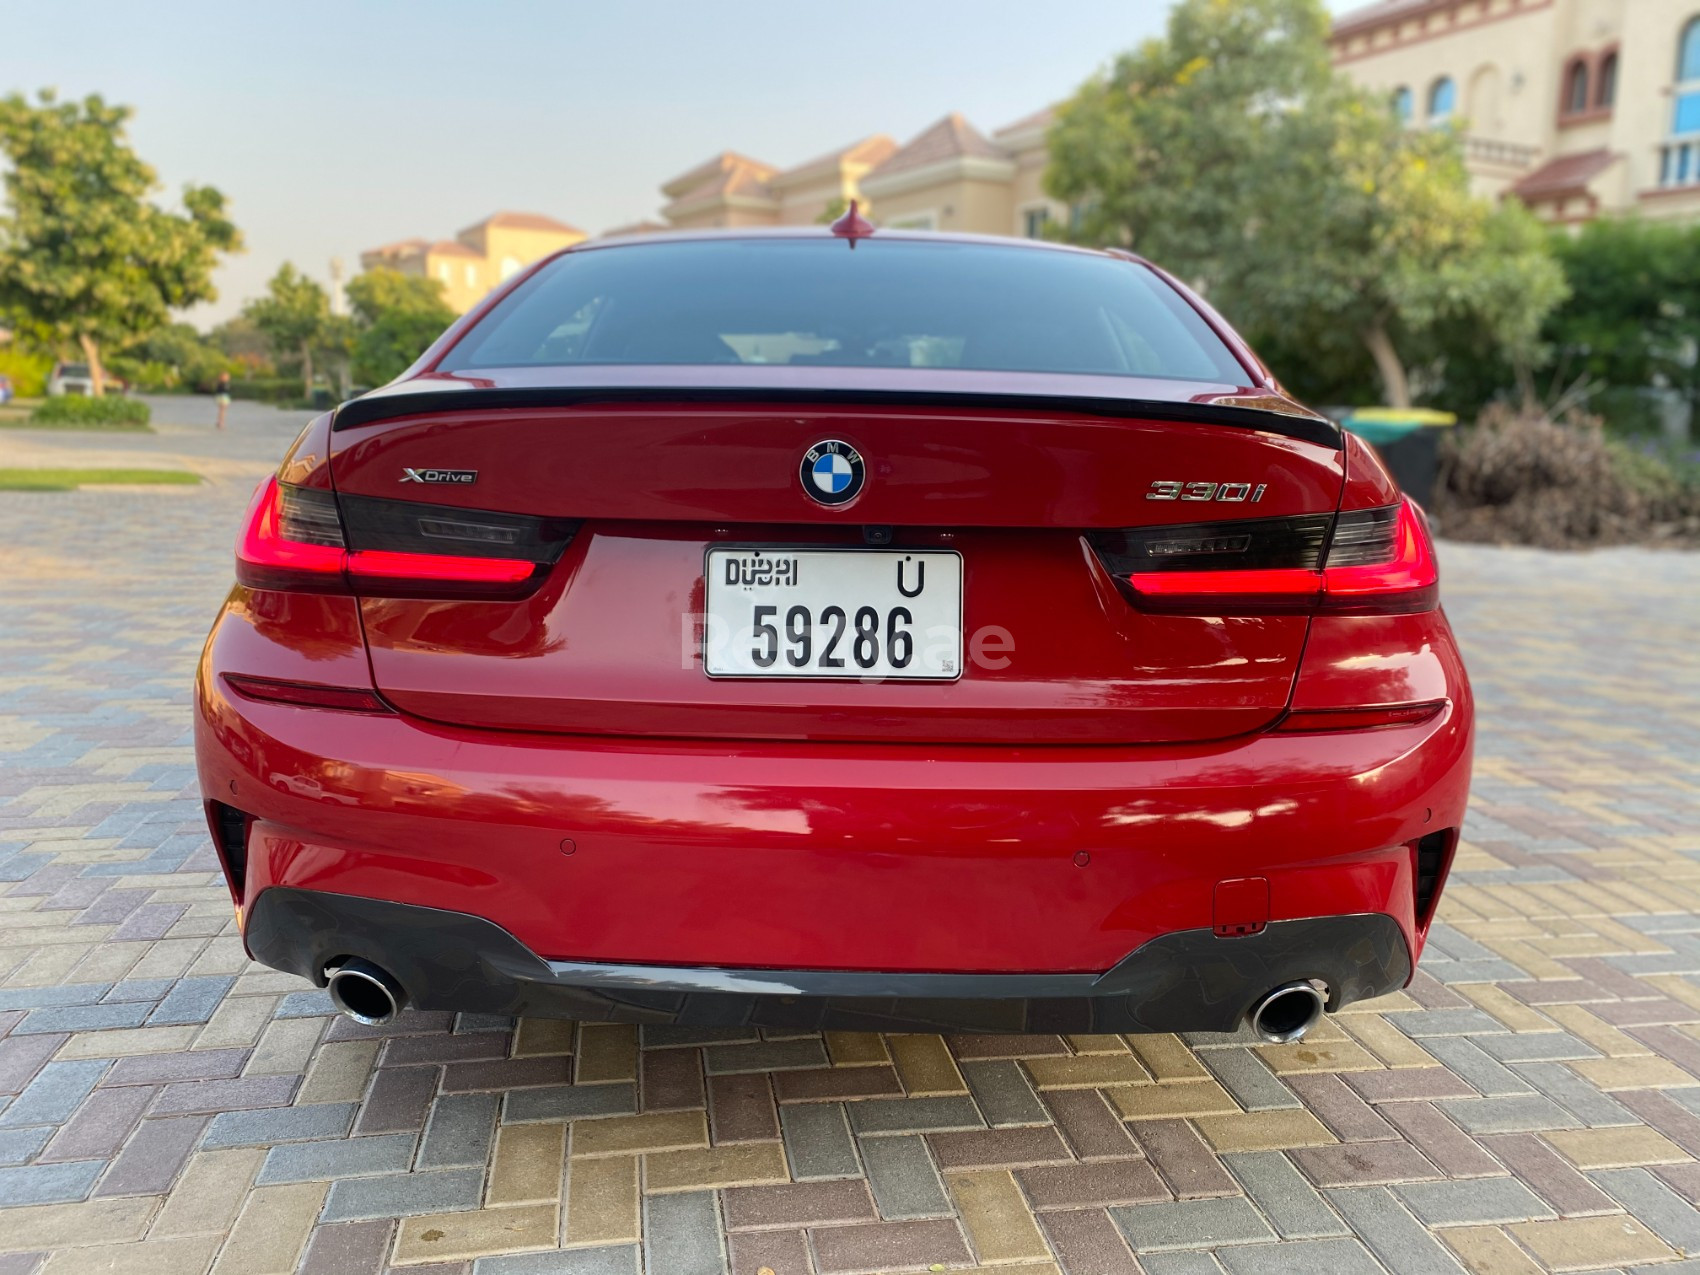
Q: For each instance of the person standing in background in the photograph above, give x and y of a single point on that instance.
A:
(223, 392)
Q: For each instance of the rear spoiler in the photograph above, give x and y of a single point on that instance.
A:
(1262, 412)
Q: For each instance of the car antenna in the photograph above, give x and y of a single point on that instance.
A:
(852, 226)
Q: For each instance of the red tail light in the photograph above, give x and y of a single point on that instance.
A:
(1362, 561)
(306, 694)
(305, 539)
(1318, 719)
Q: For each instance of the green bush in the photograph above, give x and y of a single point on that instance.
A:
(78, 411)
(267, 390)
(28, 371)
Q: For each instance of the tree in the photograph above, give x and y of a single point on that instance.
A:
(396, 316)
(85, 256)
(1231, 152)
(1633, 318)
(294, 316)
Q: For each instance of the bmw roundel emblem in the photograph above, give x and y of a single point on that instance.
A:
(833, 472)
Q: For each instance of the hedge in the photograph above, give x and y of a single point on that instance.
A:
(86, 412)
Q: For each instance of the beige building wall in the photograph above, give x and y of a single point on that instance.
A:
(1511, 61)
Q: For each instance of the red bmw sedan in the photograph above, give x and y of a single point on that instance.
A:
(837, 629)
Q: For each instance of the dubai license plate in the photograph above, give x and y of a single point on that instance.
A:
(848, 613)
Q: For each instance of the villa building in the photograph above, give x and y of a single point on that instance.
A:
(1579, 108)
(479, 257)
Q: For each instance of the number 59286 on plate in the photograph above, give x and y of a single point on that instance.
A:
(833, 613)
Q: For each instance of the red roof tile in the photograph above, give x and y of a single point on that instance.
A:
(1564, 175)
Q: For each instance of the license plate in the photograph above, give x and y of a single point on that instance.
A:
(851, 613)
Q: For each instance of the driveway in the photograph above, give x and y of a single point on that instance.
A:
(1531, 1103)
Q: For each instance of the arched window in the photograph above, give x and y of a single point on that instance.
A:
(1605, 88)
(1686, 117)
(1402, 104)
(1576, 87)
(1688, 58)
(1442, 98)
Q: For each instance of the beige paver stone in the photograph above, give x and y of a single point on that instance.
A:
(606, 1052)
(925, 1066)
(1616, 1148)
(123, 1041)
(1487, 1250)
(1387, 1042)
(602, 1201)
(1155, 1102)
(856, 1049)
(237, 1022)
(450, 1237)
(339, 1072)
(209, 1194)
(1675, 986)
(285, 1047)
(107, 962)
(1092, 1071)
(527, 1165)
(1309, 1056)
(49, 1226)
(740, 1164)
(539, 1037)
(1612, 1074)
(188, 1255)
(1265, 1130)
(272, 1230)
(1506, 1008)
(1591, 1028)
(1167, 1058)
(1588, 1243)
(656, 1131)
(1097, 1044)
(995, 1214)
(168, 958)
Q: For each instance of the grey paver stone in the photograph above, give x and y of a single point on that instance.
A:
(1191, 1224)
(404, 1194)
(568, 1102)
(280, 1124)
(682, 1235)
(192, 1000)
(1393, 1235)
(1476, 1202)
(914, 1115)
(618, 1259)
(1286, 1198)
(817, 1141)
(1253, 1085)
(342, 1158)
(57, 1090)
(1672, 1218)
(47, 1183)
(1302, 1257)
(1002, 1092)
(459, 1131)
(904, 1180)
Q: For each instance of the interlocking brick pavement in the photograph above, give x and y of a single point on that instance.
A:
(1531, 1103)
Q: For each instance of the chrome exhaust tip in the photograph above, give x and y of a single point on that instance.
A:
(363, 992)
(1287, 1013)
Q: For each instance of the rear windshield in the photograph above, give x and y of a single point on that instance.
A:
(817, 303)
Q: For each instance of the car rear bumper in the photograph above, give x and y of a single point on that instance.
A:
(1185, 981)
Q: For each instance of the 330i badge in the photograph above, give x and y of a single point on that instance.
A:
(988, 716)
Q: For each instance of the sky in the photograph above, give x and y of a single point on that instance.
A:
(335, 127)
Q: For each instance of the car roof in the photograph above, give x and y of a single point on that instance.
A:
(758, 233)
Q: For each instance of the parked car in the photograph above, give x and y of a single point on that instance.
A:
(75, 378)
(69, 378)
(5, 389)
(880, 631)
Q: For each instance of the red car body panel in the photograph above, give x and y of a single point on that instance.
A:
(558, 763)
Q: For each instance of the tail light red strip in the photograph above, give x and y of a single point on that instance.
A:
(1322, 719)
(292, 539)
(306, 694)
(1368, 561)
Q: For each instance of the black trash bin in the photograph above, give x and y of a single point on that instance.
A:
(1408, 439)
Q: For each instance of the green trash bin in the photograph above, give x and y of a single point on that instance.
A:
(1408, 439)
